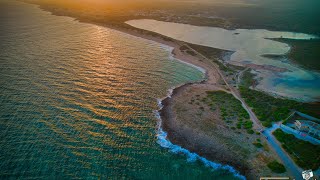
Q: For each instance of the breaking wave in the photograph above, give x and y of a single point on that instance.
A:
(191, 157)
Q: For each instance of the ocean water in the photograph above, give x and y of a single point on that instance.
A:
(80, 101)
(249, 46)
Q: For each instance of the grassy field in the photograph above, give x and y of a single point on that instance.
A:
(271, 109)
(267, 108)
(305, 154)
(231, 110)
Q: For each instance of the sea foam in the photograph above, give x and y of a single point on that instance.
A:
(164, 142)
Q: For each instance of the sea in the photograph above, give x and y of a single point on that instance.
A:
(80, 101)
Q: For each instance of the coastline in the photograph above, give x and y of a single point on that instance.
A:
(166, 138)
(166, 133)
(167, 114)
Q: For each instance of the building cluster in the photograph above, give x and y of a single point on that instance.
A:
(311, 128)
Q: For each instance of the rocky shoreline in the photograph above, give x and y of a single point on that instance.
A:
(178, 136)
(186, 137)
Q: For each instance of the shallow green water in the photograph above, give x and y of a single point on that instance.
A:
(79, 100)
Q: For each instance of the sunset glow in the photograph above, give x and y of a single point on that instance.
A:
(159, 89)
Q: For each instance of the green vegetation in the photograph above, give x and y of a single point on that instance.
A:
(248, 124)
(267, 108)
(276, 167)
(305, 154)
(271, 109)
(231, 109)
(247, 79)
(304, 52)
(257, 144)
(223, 67)
(209, 52)
(250, 131)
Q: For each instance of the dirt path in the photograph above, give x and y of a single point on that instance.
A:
(290, 165)
(256, 123)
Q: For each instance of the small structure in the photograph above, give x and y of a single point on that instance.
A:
(309, 127)
(298, 124)
(303, 127)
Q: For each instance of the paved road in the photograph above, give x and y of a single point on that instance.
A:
(291, 167)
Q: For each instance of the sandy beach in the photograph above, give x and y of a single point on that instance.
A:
(224, 146)
(210, 138)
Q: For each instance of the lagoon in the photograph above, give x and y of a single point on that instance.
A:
(248, 47)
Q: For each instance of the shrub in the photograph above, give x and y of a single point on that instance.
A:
(248, 124)
(239, 125)
(257, 144)
(267, 124)
(302, 152)
(276, 167)
(250, 131)
(268, 108)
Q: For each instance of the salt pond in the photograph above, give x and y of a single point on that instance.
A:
(249, 46)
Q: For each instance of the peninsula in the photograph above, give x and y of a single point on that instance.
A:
(223, 118)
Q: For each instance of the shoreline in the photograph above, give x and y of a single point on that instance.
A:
(166, 113)
(166, 140)
(238, 170)
(164, 131)
(149, 35)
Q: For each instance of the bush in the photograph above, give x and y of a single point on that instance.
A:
(257, 144)
(307, 152)
(230, 108)
(239, 125)
(276, 167)
(268, 108)
(250, 131)
(267, 124)
(247, 124)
